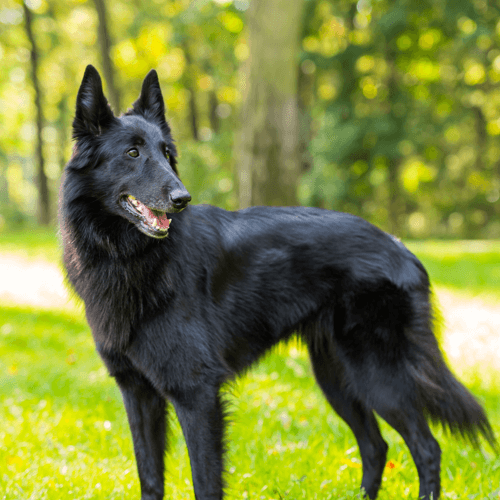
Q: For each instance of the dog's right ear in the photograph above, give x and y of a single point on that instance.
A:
(93, 114)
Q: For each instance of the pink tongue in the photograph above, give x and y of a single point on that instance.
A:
(162, 220)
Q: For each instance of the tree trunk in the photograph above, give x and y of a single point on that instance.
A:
(481, 135)
(43, 187)
(393, 210)
(193, 114)
(268, 144)
(105, 46)
(190, 85)
(305, 103)
(63, 127)
(214, 118)
(395, 199)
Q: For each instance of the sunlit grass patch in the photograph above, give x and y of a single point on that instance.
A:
(34, 243)
(64, 432)
(55, 401)
(471, 267)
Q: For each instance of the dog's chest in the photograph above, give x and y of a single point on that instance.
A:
(118, 296)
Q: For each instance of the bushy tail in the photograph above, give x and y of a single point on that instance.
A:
(439, 394)
(441, 397)
(452, 405)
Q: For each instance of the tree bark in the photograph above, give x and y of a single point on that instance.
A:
(105, 46)
(193, 114)
(395, 199)
(42, 183)
(63, 127)
(481, 135)
(190, 85)
(305, 102)
(214, 118)
(268, 144)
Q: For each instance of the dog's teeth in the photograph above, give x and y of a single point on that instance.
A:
(131, 197)
(135, 202)
(155, 223)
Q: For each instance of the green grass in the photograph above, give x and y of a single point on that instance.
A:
(64, 432)
(471, 267)
(35, 243)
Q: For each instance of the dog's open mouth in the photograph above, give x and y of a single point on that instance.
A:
(152, 222)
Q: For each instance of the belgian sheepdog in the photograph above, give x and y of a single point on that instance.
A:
(181, 298)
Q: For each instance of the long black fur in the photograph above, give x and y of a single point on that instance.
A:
(175, 317)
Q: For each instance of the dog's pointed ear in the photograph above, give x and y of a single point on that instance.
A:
(93, 113)
(150, 103)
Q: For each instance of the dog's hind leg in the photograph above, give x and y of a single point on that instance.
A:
(372, 447)
(201, 416)
(146, 412)
(423, 447)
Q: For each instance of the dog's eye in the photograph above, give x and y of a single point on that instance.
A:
(134, 153)
(167, 154)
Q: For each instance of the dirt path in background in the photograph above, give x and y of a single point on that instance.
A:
(31, 282)
(472, 333)
(472, 330)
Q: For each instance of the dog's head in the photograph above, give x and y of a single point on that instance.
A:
(128, 161)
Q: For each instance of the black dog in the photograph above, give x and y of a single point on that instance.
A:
(180, 299)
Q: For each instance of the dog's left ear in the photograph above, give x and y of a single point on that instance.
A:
(150, 103)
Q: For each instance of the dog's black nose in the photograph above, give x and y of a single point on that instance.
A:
(180, 198)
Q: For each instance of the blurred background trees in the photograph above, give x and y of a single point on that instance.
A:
(395, 104)
(267, 145)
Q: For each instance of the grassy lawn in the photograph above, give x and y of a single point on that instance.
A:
(64, 433)
(35, 243)
(469, 267)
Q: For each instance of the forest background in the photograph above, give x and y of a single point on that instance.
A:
(397, 102)
(389, 109)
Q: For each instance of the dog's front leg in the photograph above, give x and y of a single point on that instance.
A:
(201, 416)
(147, 419)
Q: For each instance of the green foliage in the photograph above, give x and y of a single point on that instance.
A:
(407, 92)
(196, 48)
(205, 169)
(400, 102)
